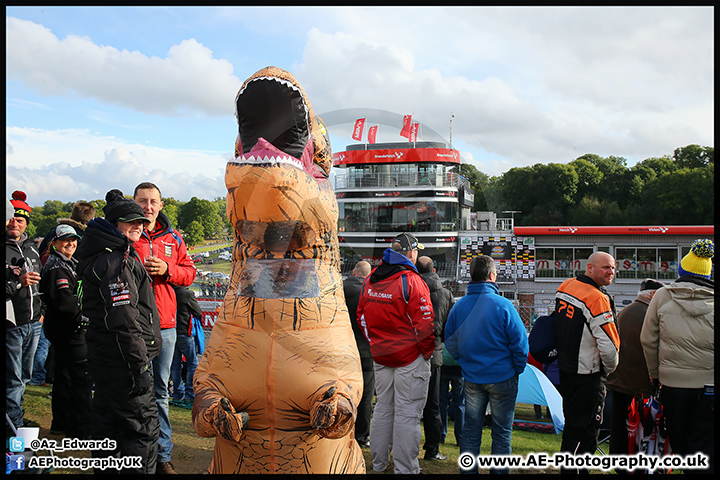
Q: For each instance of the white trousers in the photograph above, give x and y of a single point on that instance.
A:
(401, 394)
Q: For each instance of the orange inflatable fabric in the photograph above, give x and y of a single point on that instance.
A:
(280, 380)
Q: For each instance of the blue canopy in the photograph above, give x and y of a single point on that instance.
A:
(536, 389)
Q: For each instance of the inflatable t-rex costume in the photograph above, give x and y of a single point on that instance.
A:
(280, 380)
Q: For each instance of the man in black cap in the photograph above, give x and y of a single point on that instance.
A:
(396, 314)
(443, 301)
(352, 287)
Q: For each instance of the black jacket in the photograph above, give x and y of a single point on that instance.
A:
(26, 301)
(352, 287)
(187, 305)
(117, 298)
(62, 311)
(442, 300)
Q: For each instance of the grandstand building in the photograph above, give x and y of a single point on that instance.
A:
(386, 188)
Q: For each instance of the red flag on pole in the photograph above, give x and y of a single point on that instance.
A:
(414, 132)
(372, 134)
(405, 132)
(358, 129)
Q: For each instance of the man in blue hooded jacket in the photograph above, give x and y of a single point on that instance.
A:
(485, 334)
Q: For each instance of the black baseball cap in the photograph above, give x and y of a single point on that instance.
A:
(650, 284)
(408, 242)
(121, 209)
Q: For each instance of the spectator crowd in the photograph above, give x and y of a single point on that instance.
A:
(101, 311)
(93, 310)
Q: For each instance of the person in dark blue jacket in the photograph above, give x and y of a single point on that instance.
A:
(485, 334)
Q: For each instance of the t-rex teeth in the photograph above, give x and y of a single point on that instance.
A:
(267, 159)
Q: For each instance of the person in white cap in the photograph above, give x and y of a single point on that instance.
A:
(65, 329)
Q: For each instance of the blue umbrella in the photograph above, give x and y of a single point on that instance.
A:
(536, 389)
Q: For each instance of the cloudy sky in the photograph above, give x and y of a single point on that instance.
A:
(107, 97)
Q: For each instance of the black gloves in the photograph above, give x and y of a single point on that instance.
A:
(142, 382)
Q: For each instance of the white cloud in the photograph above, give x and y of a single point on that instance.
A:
(525, 85)
(45, 165)
(538, 84)
(187, 81)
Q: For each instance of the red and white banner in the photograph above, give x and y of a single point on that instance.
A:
(407, 121)
(414, 132)
(358, 129)
(401, 155)
(617, 230)
(372, 134)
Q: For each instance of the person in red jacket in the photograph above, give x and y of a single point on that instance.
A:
(164, 254)
(396, 315)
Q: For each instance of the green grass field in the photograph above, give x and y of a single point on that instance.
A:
(192, 454)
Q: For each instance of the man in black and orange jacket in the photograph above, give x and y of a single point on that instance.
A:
(588, 344)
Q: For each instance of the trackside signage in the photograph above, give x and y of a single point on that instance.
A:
(399, 155)
(618, 230)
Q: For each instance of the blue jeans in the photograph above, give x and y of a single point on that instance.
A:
(41, 354)
(20, 345)
(451, 377)
(501, 397)
(185, 345)
(161, 371)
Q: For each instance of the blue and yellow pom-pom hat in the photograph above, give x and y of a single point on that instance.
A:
(698, 261)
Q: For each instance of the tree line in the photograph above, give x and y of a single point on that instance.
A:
(595, 190)
(590, 190)
(197, 219)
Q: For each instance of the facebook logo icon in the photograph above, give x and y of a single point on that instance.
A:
(17, 462)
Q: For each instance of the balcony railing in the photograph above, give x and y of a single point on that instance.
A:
(392, 180)
(345, 226)
(490, 224)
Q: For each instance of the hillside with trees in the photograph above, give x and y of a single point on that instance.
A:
(590, 190)
(594, 190)
(197, 219)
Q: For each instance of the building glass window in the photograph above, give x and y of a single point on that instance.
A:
(424, 216)
(393, 175)
(561, 262)
(667, 264)
(564, 262)
(581, 258)
(625, 262)
(641, 263)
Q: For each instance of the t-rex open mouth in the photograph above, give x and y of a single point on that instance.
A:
(276, 124)
(273, 109)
